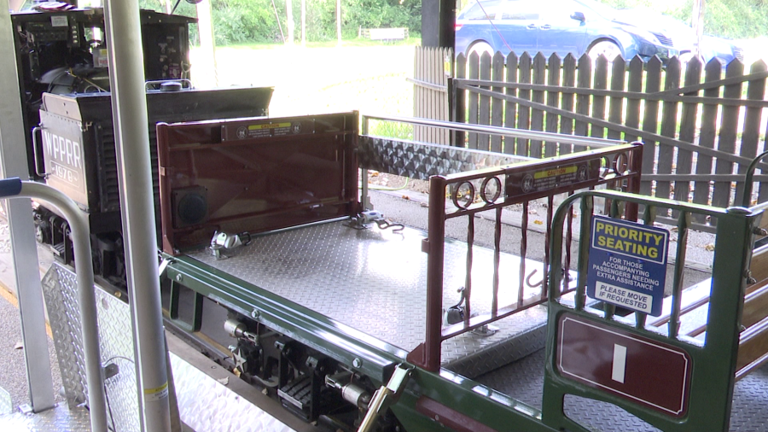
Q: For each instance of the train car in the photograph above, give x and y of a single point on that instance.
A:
(355, 324)
(64, 90)
(65, 51)
(78, 150)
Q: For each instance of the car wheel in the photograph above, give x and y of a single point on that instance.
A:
(480, 48)
(606, 48)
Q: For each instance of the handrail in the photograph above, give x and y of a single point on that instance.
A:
(494, 130)
(623, 164)
(15, 188)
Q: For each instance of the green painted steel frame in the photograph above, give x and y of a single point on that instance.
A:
(173, 309)
(458, 395)
(334, 339)
(713, 365)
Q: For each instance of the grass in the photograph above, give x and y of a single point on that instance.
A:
(322, 77)
(356, 42)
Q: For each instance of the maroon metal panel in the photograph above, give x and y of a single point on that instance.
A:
(254, 175)
(651, 373)
(449, 417)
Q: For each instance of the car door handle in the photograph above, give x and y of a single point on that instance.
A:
(546, 27)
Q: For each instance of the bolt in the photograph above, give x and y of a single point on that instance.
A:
(357, 363)
(255, 313)
(179, 278)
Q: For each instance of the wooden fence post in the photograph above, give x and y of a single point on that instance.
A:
(510, 108)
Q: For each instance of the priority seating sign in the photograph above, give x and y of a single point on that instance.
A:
(627, 264)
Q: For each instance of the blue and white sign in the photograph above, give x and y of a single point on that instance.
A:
(627, 264)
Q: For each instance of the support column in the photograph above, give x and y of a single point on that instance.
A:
(438, 19)
(129, 109)
(13, 163)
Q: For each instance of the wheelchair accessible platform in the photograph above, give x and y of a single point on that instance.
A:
(375, 280)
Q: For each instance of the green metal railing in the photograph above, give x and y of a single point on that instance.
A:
(710, 361)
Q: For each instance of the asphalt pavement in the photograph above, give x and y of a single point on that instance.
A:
(410, 208)
(13, 376)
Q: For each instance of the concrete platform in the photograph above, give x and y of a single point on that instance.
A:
(210, 397)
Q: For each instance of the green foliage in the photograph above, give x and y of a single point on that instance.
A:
(183, 8)
(736, 18)
(391, 130)
(728, 18)
(254, 21)
(238, 21)
(380, 13)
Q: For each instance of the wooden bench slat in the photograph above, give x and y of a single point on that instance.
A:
(753, 344)
(755, 303)
(759, 264)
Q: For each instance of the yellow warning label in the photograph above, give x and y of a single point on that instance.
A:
(269, 126)
(555, 172)
(638, 242)
(157, 393)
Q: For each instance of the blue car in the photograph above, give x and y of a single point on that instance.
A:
(683, 36)
(557, 27)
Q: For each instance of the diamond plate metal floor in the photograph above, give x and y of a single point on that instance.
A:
(59, 418)
(205, 404)
(524, 380)
(375, 281)
(208, 405)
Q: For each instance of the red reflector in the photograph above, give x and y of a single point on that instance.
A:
(457, 27)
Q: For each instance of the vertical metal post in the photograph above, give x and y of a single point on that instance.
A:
(365, 200)
(81, 241)
(633, 183)
(206, 75)
(13, 163)
(435, 247)
(129, 108)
